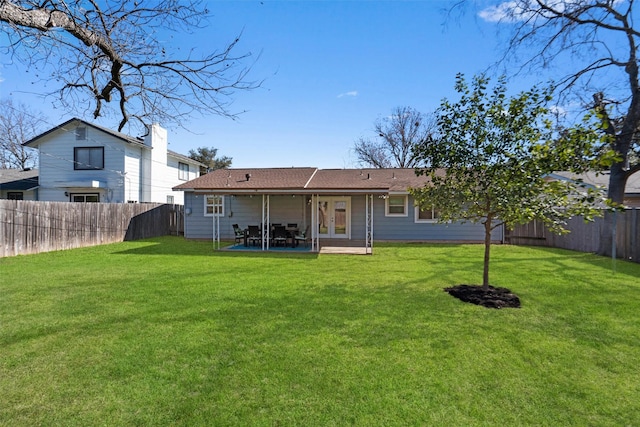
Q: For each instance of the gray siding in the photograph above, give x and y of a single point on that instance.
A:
(406, 229)
(245, 210)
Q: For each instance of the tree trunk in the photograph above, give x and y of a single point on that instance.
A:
(487, 253)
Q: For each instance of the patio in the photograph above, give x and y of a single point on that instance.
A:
(327, 246)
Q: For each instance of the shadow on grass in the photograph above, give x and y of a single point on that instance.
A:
(180, 246)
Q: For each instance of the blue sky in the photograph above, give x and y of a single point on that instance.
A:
(330, 69)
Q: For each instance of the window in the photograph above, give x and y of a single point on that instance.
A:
(88, 158)
(81, 134)
(15, 195)
(183, 171)
(85, 198)
(170, 200)
(427, 214)
(213, 205)
(396, 205)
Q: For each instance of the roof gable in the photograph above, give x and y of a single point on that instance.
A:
(63, 126)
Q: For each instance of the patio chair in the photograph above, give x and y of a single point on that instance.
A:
(279, 235)
(238, 233)
(302, 237)
(253, 234)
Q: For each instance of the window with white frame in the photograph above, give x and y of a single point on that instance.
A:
(427, 214)
(213, 205)
(183, 171)
(396, 205)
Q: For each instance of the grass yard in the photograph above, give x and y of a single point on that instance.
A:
(168, 332)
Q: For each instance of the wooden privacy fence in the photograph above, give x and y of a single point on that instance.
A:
(585, 236)
(28, 227)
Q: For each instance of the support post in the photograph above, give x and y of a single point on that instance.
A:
(265, 222)
(369, 224)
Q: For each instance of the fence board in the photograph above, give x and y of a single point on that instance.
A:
(28, 227)
(583, 236)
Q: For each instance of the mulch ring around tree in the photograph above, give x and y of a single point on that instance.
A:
(491, 298)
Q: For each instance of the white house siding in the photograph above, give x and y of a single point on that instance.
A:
(57, 173)
(132, 167)
(173, 176)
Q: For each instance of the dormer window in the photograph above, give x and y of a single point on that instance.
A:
(81, 134)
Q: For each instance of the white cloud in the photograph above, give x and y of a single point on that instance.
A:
(507, 11)
(558, 110)
(517, 11)
(350, 93)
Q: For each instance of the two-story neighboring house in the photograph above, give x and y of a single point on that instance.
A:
(83, 162)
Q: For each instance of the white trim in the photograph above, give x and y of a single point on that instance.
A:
(417, 220)
(221, 204)
(406, 205)
(310, 178)
(331, 216)
(301, 192)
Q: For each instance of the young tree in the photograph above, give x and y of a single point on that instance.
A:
(208, 157)
(99, 52)
(18, 124)
(395, 137)
(492, 156)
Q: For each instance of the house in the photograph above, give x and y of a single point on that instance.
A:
(16, 184)
(601, 180)
(83, 162)
(339, 206)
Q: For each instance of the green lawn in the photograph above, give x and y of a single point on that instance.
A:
(168, 332)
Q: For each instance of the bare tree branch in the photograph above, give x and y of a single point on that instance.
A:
(18, 124)
(395, 139)
(101, 52)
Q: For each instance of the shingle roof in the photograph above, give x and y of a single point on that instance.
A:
(305, 180)
(251, 179)
(601, 179)
(20, 180)
(365, 179)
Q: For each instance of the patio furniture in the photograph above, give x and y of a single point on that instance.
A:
(238, 233)
(279, 235)
(253, 235)
(302, 237)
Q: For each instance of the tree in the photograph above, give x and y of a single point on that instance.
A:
(102, 52)
(18, 124)
(395, 137)
(491, 158)
(599, 40)
(208, 157)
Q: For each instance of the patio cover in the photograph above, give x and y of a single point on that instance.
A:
(306, 181)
